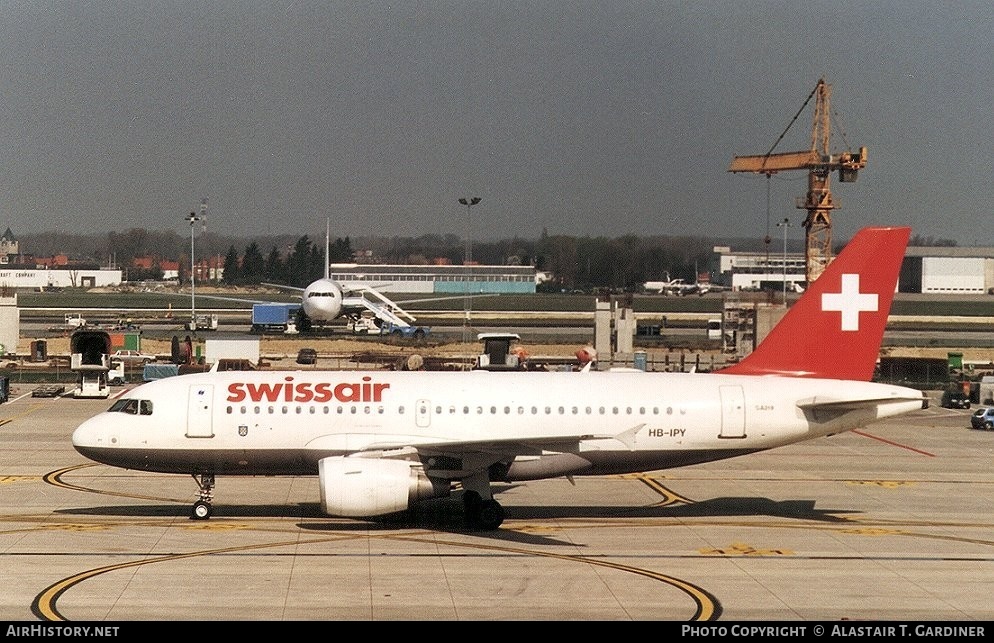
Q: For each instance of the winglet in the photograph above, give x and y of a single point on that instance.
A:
(835, 329)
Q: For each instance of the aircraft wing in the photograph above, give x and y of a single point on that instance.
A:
(474, 296)
(281, 287)
(521, 445)
(242, 300)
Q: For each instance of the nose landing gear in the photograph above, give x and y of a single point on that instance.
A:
(202, 509)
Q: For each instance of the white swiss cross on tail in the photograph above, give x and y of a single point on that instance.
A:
(850, 302)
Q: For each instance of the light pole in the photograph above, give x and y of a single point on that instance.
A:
(784, 224)
(193, 218)
(469, 202)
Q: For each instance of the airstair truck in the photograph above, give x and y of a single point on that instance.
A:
(89, 359)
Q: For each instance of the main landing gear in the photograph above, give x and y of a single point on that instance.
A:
(202, 509)
(480, 513)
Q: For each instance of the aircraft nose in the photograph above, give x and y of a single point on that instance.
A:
(86, 434)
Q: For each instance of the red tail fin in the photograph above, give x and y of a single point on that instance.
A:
(835, 329)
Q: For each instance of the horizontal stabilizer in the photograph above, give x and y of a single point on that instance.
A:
(826, 404)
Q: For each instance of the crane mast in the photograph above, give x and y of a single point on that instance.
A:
(820, 163)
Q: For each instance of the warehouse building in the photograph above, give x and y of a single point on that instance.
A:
(440, 279)
(926, 270)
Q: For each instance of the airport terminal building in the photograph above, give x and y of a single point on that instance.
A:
(432, 279)
(925, 270)
(25, 278)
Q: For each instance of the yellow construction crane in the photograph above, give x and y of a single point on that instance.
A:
(820, 162)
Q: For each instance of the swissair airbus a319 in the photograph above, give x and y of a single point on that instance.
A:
(380, 442)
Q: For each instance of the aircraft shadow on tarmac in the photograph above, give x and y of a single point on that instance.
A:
(447, 514)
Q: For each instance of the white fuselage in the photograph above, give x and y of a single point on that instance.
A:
(322, 300)
(533, 424)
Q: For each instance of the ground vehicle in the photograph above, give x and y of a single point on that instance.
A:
(406, 332)
(363, 325)
(132, 357)
(115, 376)
(983, 418)
(955, 399)
(202, 322)
(274, 318)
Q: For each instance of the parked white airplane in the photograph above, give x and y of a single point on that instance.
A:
(680, 287)
(325, 300)
(380, 441)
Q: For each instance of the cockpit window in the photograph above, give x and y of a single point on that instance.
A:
(131, 406)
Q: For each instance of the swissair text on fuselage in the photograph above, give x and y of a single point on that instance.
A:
(318, 392)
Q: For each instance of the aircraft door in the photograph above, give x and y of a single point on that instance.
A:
(422, 413)
(732, 412)
(199, 414)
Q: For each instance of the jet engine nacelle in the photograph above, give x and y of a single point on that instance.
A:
(360, 487)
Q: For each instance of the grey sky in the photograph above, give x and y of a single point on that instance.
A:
(584, 118)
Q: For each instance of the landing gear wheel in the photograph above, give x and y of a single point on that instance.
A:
(471, 502)
(201, 510)
(491, 515)
(480, 513)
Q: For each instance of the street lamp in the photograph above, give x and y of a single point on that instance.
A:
(469, 202)
(784, 224)
(193, 218)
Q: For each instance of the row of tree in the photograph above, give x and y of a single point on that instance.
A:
(575, 262)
